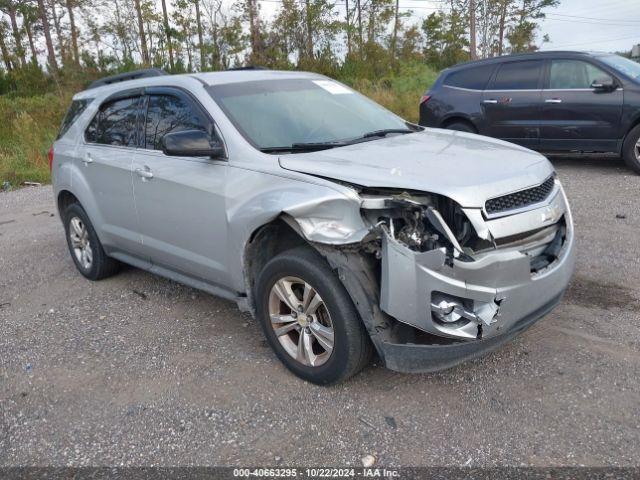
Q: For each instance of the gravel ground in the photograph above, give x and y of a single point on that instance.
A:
(138, 370)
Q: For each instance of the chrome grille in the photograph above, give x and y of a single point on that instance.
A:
(520, 199)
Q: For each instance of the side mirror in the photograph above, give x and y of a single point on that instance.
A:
(604, 85)
(192, 143)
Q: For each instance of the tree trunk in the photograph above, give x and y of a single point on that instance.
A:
(472, 30)
(143, 38)
(309, 29)
(203, 58)
(253, 28)
(359, 7)
(5, 52)
(74, 32)
(56, 26)
(372, 23)
(503, 17)
(16, 34)
(167, 33)
(346, 7)
(32, 46)
(394, 38)
(51, 53)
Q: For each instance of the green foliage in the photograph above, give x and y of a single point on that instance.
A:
(27, 131)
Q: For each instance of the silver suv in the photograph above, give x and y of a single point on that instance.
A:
(341, 227)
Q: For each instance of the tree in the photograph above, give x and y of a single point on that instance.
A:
(143, 38)
(167, 33)
(6, 57)
(70, 4)
(29, 13)
(203, 60)
(522, 34)
(10, 7)
(472, 30)
(51, 54)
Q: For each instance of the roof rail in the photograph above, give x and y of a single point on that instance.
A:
(248, 67)
(123, 77)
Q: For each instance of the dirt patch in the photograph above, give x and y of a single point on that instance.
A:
(592, 293)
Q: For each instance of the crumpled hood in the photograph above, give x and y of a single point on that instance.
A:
(464, 167)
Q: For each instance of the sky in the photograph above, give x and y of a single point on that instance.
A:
(601, 25)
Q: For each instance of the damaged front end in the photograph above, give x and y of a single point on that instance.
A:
(446, 283)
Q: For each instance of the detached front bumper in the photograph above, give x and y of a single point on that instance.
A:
(498, 289)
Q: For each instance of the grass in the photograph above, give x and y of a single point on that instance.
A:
(29, 124)
(27, 130)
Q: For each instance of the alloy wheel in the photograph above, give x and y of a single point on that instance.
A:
(301, 321)
(80, 243)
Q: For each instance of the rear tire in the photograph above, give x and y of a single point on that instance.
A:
(461, 127)
(631, 149)
(295, 272)
(85, 247)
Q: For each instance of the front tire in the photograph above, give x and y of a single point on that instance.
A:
(309, 319)
(631, 149)
(85, 247)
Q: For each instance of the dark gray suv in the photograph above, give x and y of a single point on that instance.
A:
(546, 101)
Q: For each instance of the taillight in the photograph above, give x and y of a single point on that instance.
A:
(424, 99)
(50, 156)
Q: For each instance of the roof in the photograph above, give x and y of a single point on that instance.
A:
(206, 78)
(527, 56)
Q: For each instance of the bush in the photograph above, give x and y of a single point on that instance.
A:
(27, 131)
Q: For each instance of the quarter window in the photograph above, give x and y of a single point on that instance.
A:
(115, 123)
(518, 76)
(571, 74)
(167, 113)
(75, 110)
(474, 78)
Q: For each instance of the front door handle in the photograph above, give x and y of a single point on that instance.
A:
(492, 101)
(144, 173)
(553, 100)
(87, 159)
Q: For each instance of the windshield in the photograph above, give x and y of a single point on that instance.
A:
(623, 65)
(280, 113)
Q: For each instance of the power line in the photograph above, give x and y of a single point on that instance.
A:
(593, 18)
(603, 40)
(584, 22)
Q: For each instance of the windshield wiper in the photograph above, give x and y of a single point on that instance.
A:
(304, 147)
(317, 146)
(387, 131)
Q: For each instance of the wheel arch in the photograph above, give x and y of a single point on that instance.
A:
(65, 198)
(632, 124)
(458, 118)
(264, 243)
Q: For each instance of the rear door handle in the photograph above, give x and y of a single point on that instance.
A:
(553, 100)
(87, 159)
(144, 173)
(490, 101)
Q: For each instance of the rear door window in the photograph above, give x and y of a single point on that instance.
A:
(574, 74)
(474, 78)
(523, 75)
(168, 113)
(115, 123)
